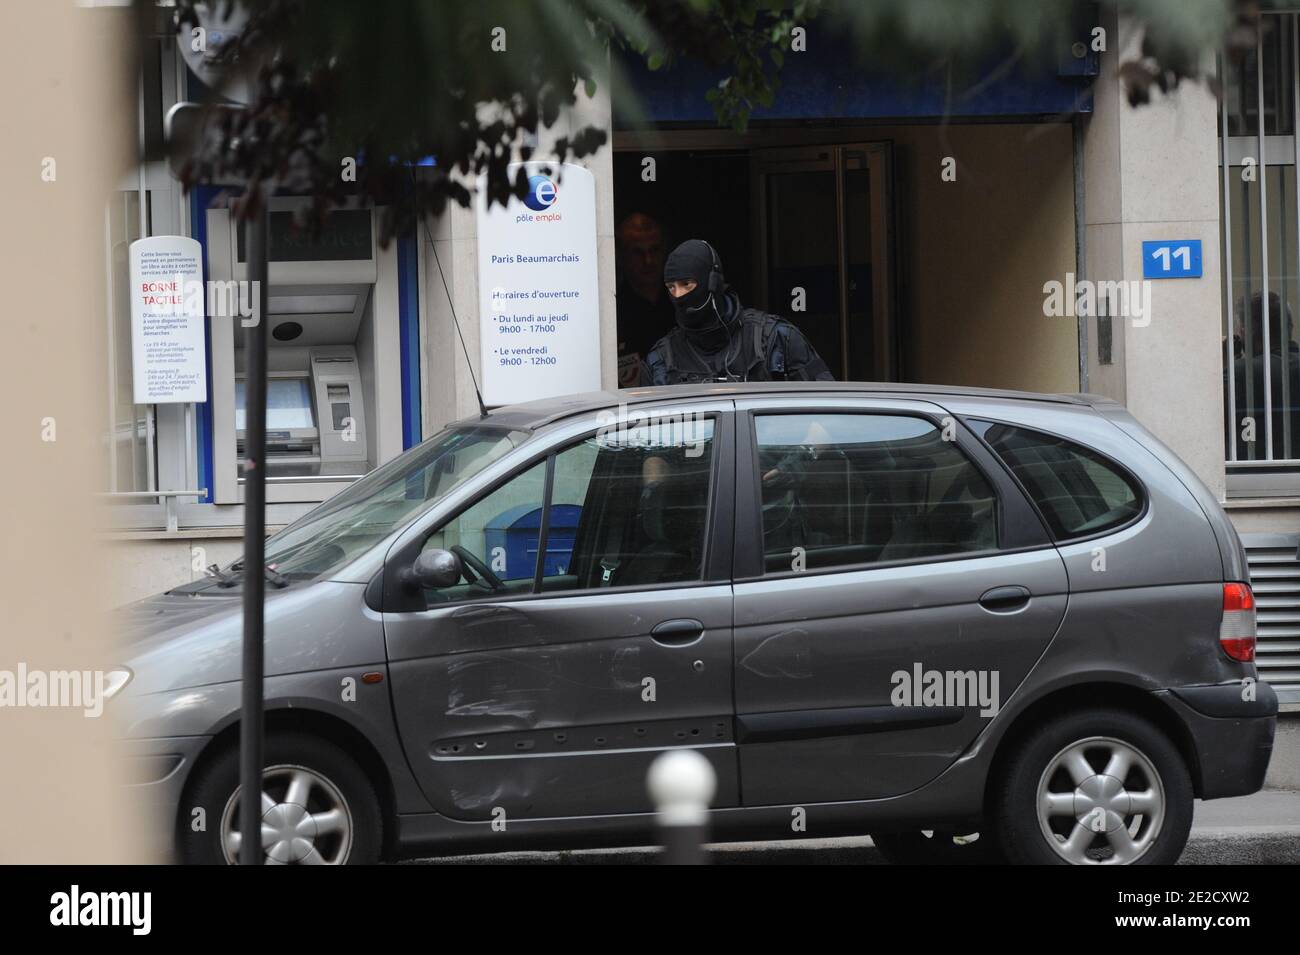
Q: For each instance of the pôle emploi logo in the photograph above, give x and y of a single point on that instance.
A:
(542, 195)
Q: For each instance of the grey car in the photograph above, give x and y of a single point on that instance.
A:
(977, 625)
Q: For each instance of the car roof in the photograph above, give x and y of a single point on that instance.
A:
(532, 415)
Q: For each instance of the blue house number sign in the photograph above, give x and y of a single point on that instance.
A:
(1171, 259)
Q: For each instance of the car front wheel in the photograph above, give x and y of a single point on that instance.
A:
(318, 807)
(1100, 787)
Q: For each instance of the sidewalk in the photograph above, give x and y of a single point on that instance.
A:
(1263, 829)
(1270, 810)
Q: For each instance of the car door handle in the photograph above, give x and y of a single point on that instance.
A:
(677, 633)
(1005, 599)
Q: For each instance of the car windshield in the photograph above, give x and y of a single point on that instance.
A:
(389, 498)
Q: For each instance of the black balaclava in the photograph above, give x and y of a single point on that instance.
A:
(705, 316)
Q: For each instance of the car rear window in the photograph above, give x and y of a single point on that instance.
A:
(1079, 492)
(841, 490)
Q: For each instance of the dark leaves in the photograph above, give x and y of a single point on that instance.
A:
(391, 83)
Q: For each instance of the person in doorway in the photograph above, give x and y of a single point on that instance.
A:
(645, 311)
(718, 339)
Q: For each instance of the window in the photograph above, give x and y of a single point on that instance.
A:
(634, 505)
(628, 508)
(1261, 258)
(1079, 492)
(481, 536)
(840, 490)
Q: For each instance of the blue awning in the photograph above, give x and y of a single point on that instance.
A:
(831, 85)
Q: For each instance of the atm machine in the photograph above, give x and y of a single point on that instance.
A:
(315, 418)
(333, 358)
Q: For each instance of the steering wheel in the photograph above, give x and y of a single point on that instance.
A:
(475, 563)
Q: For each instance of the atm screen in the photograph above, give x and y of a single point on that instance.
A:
(288, 404)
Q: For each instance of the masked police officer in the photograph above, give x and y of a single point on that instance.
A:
(716, 339)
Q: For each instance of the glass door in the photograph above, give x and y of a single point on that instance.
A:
(825, 253)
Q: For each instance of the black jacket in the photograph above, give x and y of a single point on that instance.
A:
(763, 347)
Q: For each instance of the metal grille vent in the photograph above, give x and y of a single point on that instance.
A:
(1275, 578)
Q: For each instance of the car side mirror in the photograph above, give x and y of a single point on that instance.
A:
(434, 569)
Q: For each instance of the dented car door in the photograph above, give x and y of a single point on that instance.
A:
(550, 695)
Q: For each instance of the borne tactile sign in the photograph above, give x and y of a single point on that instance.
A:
(539, 296)
(168, 360)
(1171, 259)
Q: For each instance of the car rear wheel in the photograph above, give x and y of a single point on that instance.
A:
(938, 847)
(1101, 787)
(318, 808)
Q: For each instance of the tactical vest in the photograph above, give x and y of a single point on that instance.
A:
(744, 360)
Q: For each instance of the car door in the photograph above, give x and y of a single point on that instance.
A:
(893, 588)
(608, 640)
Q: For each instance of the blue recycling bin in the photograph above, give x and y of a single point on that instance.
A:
(517, 531)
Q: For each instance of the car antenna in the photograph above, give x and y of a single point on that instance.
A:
(482, 408)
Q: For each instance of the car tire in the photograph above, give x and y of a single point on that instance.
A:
(1102, 786)
(320, 803)
(915, 847)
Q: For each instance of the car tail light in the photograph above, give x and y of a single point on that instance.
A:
(1237, 632)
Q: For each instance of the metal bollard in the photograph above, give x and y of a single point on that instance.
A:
(681, 784)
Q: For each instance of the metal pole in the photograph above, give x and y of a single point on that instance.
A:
(1081, 247)
(1288, 398)
(1229, 301)
(142, 202)
(1263, 239)
(250, 727)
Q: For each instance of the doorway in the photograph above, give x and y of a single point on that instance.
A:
(824, 256)
(816, 218)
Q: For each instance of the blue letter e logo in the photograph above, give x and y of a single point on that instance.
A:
(541, 193)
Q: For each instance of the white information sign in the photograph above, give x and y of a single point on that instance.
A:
(168, 363)
(539, 298)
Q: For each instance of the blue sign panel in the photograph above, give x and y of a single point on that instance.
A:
(1171, 259)
(835, 83)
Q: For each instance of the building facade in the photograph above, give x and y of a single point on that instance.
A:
(934, 231)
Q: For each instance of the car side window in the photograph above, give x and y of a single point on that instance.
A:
(628, 507)
(847, 489)
(1078, 491)
(488, 533)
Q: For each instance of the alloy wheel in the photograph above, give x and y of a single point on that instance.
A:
(1100, 802)
(305, 820)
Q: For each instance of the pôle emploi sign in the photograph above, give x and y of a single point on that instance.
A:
(1171, 259)
(539, 298)
(168, 363)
